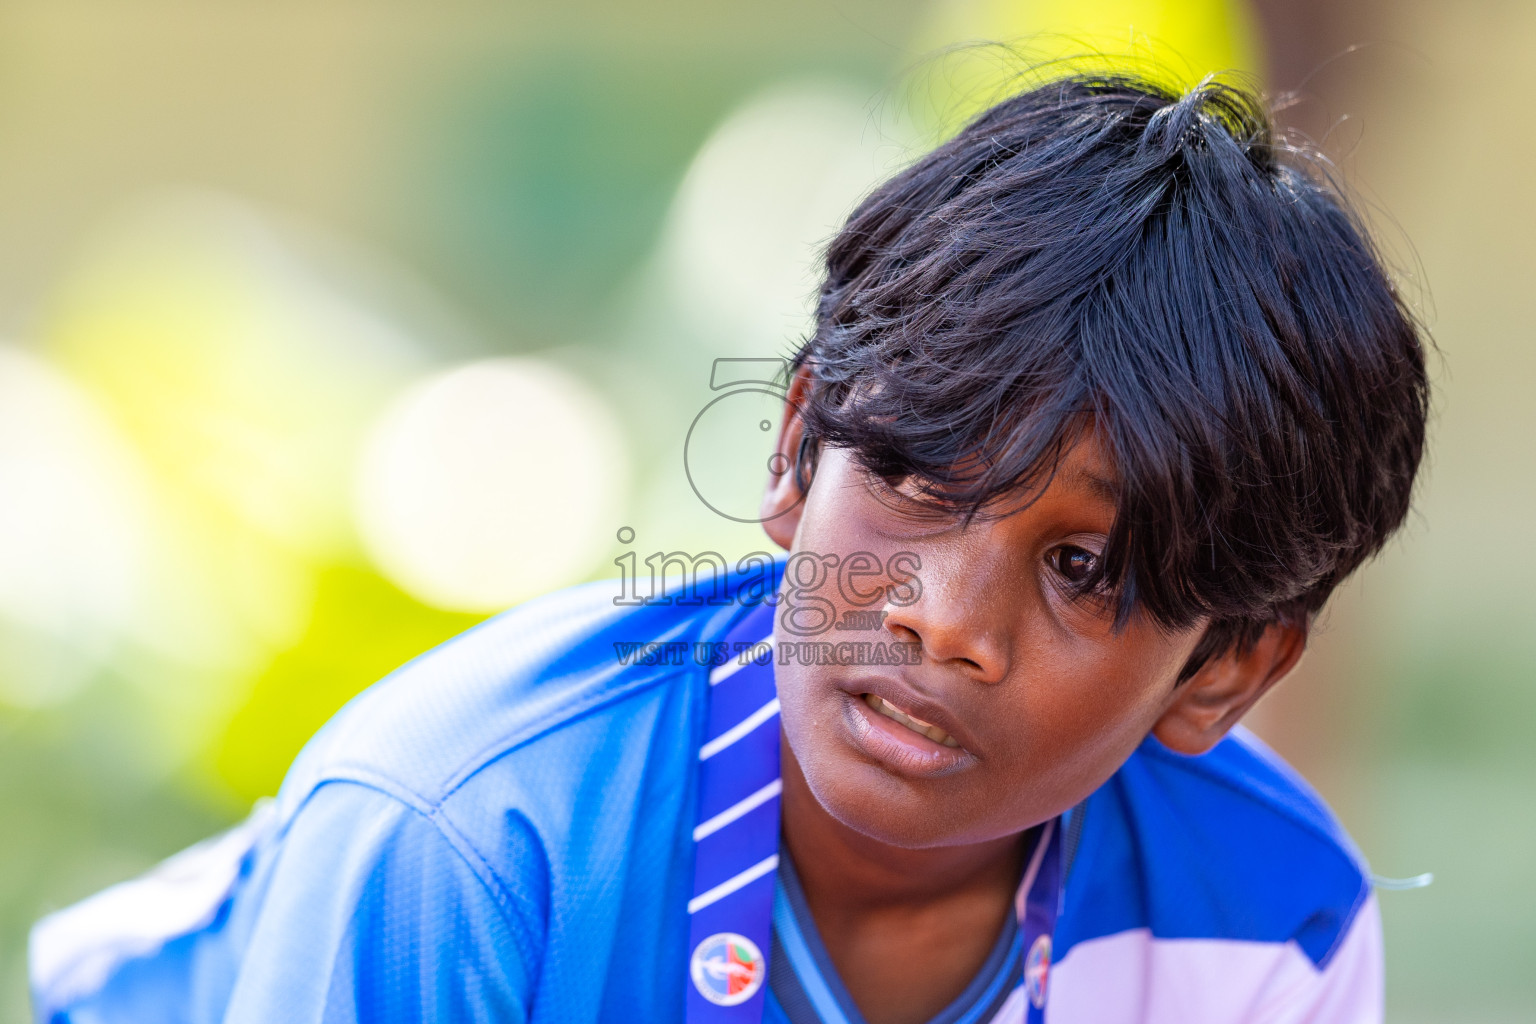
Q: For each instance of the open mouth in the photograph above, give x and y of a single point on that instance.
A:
(917, 725)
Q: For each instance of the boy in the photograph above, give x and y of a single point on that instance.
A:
(1104, 397)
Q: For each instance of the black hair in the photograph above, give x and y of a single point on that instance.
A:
(1104, 251)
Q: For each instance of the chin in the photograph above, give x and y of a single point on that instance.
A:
(873, 803)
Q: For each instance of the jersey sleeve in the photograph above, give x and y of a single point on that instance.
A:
(1134, 978)
(372, 910)
(1350, 987)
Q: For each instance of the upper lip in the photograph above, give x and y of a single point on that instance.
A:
(912, 702)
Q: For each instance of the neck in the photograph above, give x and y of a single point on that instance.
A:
(846, 873)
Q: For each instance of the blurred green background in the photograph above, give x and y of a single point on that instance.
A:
(328, 329)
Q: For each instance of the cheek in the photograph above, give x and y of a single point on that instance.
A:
(1091, 736)
(1086, 707)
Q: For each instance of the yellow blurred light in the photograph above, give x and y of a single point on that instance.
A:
(246, 378)
(246, 384)
(986, 49)
(490, 483)
(244, 381)
(362, 628)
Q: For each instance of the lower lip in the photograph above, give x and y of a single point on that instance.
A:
(898, 748)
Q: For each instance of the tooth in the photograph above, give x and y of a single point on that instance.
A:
(917, 725)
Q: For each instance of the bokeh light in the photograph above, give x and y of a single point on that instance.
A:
(73, 533)
(490, 483)
(762, 197)
(246, 385)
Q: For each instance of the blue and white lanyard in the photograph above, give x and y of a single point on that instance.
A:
(736, 847)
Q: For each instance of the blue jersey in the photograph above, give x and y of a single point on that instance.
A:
(502, 831)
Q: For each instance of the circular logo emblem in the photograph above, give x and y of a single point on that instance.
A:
(728, 452)
(1037, 969)
(728, 968)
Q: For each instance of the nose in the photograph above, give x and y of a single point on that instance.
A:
(958, 623)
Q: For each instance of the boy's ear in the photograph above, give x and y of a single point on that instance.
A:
(1211, 701)
(784, 499)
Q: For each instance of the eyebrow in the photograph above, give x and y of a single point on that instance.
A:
(1103, 487)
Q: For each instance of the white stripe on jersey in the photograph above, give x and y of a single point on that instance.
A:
(730, 885)
(742, 807)
(739, 730)
(741, 661)
(1132, 978)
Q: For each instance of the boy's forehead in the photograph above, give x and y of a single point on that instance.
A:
(1087, 466)
(1084, 468)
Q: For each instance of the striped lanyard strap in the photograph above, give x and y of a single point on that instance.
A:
(736, 849)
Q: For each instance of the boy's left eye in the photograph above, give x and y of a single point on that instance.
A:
(1071, 562)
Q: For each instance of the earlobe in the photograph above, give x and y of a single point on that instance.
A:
(783, 498)
(1208, 704)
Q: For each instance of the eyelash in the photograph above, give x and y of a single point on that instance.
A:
(891, 495)
(895, 498)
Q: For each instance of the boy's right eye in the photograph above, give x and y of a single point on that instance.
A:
(1072, 563)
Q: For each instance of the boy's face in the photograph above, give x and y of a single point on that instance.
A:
(1031, 697)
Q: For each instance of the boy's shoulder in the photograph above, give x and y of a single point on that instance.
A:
(456, 769)
(525, 676)
(1231, 846)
